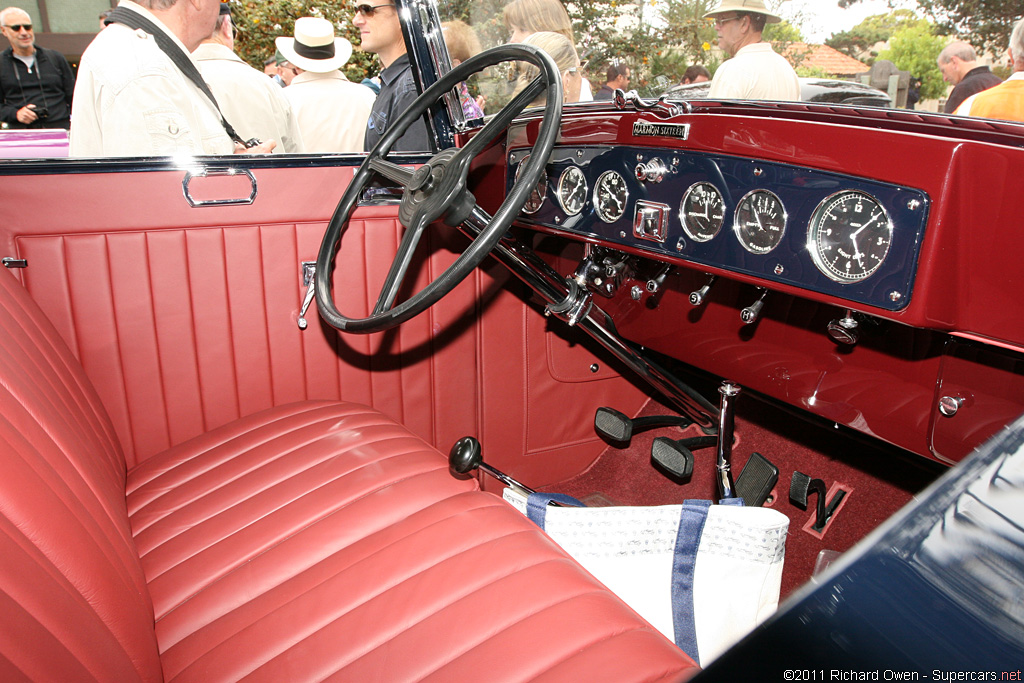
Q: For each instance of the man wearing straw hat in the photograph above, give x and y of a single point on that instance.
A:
(756, 71)
(331, 110)
(254, 104)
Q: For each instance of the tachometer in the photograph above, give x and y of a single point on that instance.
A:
(610, 195)
(572, 190)
(702, 211)
(760, 221)
(849, 236)
(539, 194)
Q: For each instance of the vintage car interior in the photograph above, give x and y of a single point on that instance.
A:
(230, 387)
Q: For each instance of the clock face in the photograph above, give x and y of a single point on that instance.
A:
(849, 236)
(539, 193)
(760, 221)
(572, 190)
(702, 211)
(610, 196)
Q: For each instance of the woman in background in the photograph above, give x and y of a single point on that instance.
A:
(564, 54)
(524, 17)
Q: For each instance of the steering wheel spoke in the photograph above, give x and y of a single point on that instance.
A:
(393, 172)
(400, 266)
(438, 190)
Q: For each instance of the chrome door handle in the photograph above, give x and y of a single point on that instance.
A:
(216, 171)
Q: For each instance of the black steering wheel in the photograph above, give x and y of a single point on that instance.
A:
(437, 190)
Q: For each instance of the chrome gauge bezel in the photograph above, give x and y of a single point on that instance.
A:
(563, 192)
(602, 181)
(743, 234)
(692, 231)
(817, 232)
(539, 194)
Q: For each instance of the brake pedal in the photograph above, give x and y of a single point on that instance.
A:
(757, 480)
(675, 456)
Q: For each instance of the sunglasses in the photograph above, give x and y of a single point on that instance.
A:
(17, 27)
(369, 10)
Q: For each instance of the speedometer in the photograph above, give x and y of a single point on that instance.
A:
(849, 236)
(572, 190)
(610, 195)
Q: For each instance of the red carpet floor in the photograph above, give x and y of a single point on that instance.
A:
(879, 481)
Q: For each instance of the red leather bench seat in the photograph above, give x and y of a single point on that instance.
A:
(311, 541)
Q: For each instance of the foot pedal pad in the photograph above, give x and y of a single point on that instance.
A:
(619, 429)
(802, 486)
(757, 480)
(675, 456)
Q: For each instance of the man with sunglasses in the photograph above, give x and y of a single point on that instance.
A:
(381, 33)
(756, 71)
(36, 84)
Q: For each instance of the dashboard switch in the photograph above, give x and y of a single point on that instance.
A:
(751, 313)
(651, 221)
(654, 171)
(697, 297)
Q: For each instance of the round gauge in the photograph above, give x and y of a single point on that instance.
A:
(610, 195)
(702, 211)
(849, 236)
(539, 194)
(760, 221)
(572, 190)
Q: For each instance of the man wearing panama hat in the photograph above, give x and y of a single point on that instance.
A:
(756, 71)
(331, 110)
(254, 104)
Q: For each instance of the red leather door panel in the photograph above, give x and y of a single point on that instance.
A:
(185, 318)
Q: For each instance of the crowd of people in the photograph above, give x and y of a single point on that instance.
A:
(162, 77)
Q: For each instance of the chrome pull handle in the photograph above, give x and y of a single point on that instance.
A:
(210, 172)
(308, 279)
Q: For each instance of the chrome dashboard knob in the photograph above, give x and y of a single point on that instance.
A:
(949, 405)
(653, 171)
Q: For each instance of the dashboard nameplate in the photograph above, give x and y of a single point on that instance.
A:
(661, 130)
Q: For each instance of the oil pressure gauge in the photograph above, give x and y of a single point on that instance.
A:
(702, 211)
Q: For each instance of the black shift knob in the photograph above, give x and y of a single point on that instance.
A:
(465, 455)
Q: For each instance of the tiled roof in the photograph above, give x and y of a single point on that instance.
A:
(829, 60)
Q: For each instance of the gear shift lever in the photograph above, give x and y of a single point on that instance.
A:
(466, 456)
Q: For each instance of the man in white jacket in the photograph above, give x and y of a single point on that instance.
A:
(254, 104)
(132, 100)
(331, 110)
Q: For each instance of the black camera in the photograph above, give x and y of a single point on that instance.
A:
(41, 112)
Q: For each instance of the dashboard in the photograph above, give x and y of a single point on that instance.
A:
(826, 232)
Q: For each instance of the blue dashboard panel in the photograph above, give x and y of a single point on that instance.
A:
(801, 191)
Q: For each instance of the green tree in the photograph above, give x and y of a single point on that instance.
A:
(915, 48)
(875, 29)
(986, 24)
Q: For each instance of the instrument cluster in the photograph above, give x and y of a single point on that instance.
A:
(844, 236)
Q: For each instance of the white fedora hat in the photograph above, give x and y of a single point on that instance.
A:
(314, 47)
(755, 6)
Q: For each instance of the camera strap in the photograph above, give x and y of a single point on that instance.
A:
(121, 15)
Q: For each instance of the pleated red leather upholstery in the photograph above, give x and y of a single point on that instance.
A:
(310, 541)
